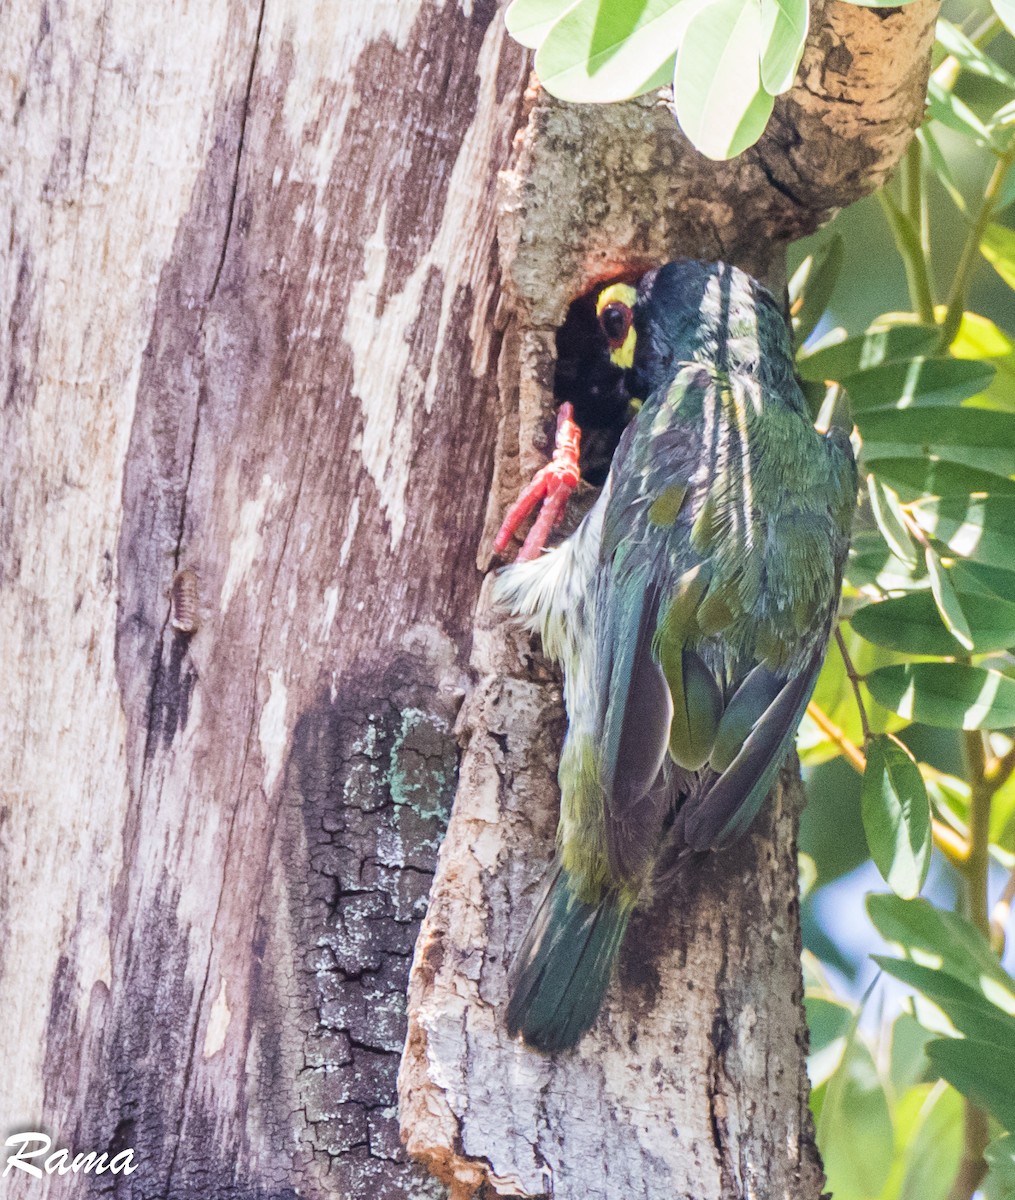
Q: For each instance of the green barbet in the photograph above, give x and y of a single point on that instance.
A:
(690, 611)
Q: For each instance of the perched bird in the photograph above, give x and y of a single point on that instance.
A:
(690, 611)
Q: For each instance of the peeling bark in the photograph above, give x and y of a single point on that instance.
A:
(692, 1083)
(249, 294)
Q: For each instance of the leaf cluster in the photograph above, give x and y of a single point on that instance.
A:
(726, 60)
(889, 1124)
(927, 1107)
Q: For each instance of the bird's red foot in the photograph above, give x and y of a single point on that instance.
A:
(552, 486)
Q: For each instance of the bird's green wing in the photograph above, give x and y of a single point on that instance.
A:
(729, 800)
(650, 478)
(803, 573)
(746, 586)
(635, 730)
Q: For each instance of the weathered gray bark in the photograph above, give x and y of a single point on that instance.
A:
(249, 283)
(692, 1083)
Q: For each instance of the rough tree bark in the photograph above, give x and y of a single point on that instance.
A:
(250, 285)
(693, 1081)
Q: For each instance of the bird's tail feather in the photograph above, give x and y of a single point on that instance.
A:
(564, 965)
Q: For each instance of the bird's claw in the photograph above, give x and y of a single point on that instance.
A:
(552, 486)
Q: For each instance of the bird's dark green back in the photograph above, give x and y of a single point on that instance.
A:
(720, 562)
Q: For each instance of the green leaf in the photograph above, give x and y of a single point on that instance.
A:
(946, 695)
(832, 410)
(983, 1071)
(979, 337)
(1002, 818)
(945, 597)
(938, 938)
(998, 247)
(832, 336)
(940, 165)
(812, 285)
(932, 1155)
(855, 1130)
(967, 436)
(946, 107)
(871, 562)
(720, 103)
(913, 478)
(888, 515)
(978, 527)
(896, 816)
(529, 21)
(1005, 10)
(971, 57)
(997, 583)
(784, 32)
(1000, 1158)
(870, 349)
(827, 1021)
(968, 1010)
(920, 381)
(908, 1060)
(912, 624)
(599, 52)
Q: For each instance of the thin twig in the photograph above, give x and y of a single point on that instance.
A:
(977, 1125)
(850, 750)
(854, 680)
(915, 205)
(980, 796)
(974, 1165)
(907, 242)
(970, 257)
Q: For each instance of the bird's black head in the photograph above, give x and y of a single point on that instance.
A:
(678, 311)
(588, 378)
(623, 342)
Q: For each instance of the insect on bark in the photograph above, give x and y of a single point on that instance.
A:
(183, 601)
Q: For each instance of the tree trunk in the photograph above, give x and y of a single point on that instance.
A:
(693, 1081)
(251, 285)
(251, 399)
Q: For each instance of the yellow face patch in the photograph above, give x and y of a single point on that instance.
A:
(615, 306)
(626, 293)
